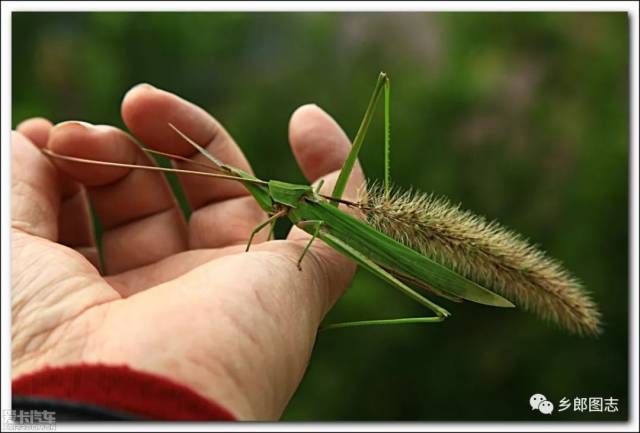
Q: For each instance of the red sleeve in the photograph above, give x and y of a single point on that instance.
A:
(123, 389)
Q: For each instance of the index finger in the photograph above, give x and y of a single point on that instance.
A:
(147, 112)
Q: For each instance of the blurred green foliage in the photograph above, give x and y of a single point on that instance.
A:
(522, 117)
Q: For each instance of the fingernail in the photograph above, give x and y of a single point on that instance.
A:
(73, 123)
(309, 106)
(143, 86)
(139, 86)
(104, 128)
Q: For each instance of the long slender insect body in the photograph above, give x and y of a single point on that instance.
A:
(391, 254)
(371, 249)
(440, 256)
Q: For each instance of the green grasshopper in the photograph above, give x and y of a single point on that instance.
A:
(391, 260)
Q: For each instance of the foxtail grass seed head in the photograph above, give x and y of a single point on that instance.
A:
(484, 252)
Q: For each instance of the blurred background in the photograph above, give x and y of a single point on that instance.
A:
(522, 117)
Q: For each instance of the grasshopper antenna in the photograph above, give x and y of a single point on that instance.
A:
(151, 168)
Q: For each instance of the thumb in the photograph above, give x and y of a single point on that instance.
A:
(320, 147)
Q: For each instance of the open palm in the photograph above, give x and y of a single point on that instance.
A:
(179, 299)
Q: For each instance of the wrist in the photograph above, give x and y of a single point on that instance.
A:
(120, 389)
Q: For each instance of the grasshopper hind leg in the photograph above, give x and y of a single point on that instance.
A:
(377, 270)
(383, 322)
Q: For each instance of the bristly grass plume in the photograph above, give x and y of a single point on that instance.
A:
(484, 252)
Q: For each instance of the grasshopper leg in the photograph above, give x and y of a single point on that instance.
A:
(403, 321)
(272, 230)
(314, 235)
(377, 270)
(271, 220)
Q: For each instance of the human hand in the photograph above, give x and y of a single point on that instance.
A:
(182, 300)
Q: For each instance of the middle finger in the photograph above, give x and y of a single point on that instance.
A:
(224, 212)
